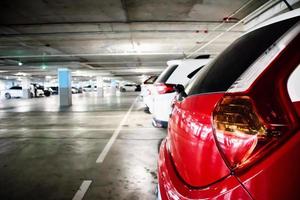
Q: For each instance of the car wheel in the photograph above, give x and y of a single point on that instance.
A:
(123, 90)
(47, 93)
(146, 110)
(7, 96)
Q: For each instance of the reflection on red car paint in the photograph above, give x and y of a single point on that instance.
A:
(236, 135)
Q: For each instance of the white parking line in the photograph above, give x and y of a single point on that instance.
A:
(82, 190)
(111, 141)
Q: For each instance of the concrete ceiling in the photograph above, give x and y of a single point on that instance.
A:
(114, 38)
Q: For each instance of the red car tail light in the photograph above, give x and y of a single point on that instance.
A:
(163, 88)
(244, 134)
(239, 130)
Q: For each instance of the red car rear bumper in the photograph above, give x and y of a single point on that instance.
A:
(172, 187)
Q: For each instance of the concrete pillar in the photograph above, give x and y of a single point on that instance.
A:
(2, 88)
(100, 91)
(25, 82)
(113, 88)
(64, 85)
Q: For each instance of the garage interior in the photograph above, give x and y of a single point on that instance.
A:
(99, 144)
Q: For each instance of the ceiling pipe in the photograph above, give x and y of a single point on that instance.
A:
(220, 25)
(86, 65)
(111, 22)
(270, 4)
(266, 12)
(288, 5)
(258, 11)
(11, 35)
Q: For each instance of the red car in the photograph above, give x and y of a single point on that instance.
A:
(234, 130)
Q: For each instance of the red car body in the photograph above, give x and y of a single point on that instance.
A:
(240, 138)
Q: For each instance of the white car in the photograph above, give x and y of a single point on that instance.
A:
(128, 87)
(36, 90)
(89, 88)
(177, 72)
(17, 92)
(13, 92)
(39, 93)
(146, 93)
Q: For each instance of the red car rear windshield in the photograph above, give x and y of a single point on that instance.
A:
(163, 77)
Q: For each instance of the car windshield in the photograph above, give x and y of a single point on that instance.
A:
(221, 73)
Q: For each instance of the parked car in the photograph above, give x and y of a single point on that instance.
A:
(177, 72)
(47, 90)
(234, 132)
(146, 92)
(89, 88)
(13, 92)
(17, 92)
(38, 91)
(76, 90)
(54, 90)
(128, 87)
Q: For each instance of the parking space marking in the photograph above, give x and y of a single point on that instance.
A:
(111, 141)
(82, 190)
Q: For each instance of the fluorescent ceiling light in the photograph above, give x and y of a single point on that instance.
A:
(89, 73)
(145, 70)
(21, 74)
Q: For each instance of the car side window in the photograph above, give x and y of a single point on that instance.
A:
(16, 88)
(193, 73)
(150, 80)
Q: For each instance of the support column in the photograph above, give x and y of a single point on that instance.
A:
(100, 92)
(113, 88)
(64, 85)
(26, 87)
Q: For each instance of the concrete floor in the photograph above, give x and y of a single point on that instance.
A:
(47, 152)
